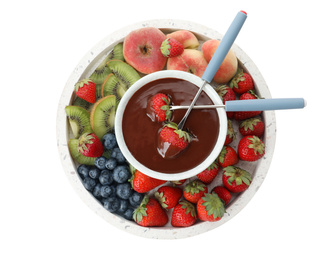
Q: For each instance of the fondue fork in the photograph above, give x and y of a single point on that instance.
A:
(253, 105)
(218, 57)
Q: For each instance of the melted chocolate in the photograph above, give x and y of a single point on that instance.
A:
(141, 133)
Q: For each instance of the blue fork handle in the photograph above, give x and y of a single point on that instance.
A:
(224, 46)
(264, 104)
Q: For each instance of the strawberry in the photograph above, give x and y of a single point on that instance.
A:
(236, 179)
(172, 140)
(242, 82)
(158, 108)
(228, 156)
(171, 48)
(226, 94)
(184, 214)
(223, 194)
(86, 89)
(90, 146)
(251, 148)
(168, 196)
(143, 183)
(208, 175)
(241, 115)
(210, 207)
(194, 190)
(231, 135)
(150, 213)
(252, 126)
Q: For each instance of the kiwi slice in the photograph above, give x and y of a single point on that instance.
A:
(98, 91)
(125, 73)
(102, 71)
(107, 154)
(103, 115)
(82, 103)
(79, 120)
(76, 155)
(99, 74)
(117, 52)
(113, 86)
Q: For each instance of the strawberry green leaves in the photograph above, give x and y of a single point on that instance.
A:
(238, 175)
(179, 132)
(141, 211)
(257, 145)
(213, 205)
(189, 207)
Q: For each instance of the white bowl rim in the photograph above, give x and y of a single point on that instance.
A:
(179, 75)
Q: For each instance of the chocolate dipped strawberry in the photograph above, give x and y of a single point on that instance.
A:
(172, 141)
(158, 108)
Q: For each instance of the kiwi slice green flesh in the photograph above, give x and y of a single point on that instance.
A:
(100, 74)
(98, 91)
(79, 120)
(102, 71)
(113, 86)
(103, 115)
(82, 103)
(126, 74)
(117, 52)
(107, 154)
(76, 155)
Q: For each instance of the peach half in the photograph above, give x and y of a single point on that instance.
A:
(190, 60)
(187, 38)
(141, 49)
(228, 67)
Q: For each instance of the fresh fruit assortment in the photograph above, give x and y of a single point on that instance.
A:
(103, 169)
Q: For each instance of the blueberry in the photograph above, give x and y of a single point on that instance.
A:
(117, 154)
(108, 191)
(83, 170)
(94, 173)
(100, 162)
(89, 183)
(105, 178)
(128, 214)
(135, 199)
(124, 190)
(111, 204)
(109, 141)
(121, 174)
(111, 163)
(97, 191)
(123, 206)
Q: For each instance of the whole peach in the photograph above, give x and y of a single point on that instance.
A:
(228, 67)
(190, 60)
(141, 49)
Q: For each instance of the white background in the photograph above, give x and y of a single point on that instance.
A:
(42, 217)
